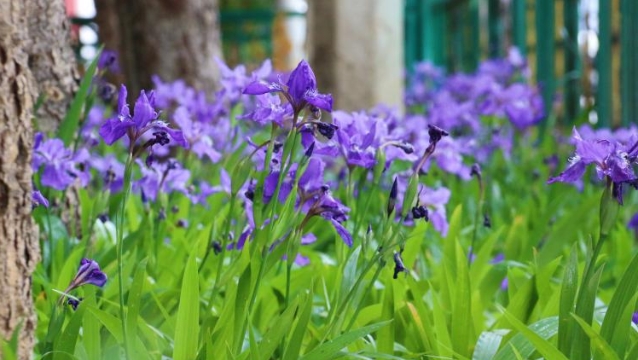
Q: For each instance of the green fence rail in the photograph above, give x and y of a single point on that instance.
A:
(454, 34)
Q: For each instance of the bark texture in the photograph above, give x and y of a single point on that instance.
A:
(51, 60)
(170, 38)
(19, 249)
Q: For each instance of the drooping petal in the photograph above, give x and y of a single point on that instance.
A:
(343, 232)
(572, 174)
(113, 129)
(322, 101)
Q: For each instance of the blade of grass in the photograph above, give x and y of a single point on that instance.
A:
(187, 325)
(331, 347)
(521, 345)
(567, 298)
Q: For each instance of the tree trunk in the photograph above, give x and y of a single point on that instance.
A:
(19, 249)
(51, 60)
(175, 39)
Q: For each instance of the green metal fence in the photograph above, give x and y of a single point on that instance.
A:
(456, 34)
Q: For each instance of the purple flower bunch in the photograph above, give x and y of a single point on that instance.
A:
(613, 160)
(481, 109)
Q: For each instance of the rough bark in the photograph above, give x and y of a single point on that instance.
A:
(51, 60)
(175, 39)
(19, 250)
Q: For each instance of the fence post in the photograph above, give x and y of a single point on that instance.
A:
(572, 67)
(495, 28)
(519, 25)
(604, 89)
(628, 61)
(545, 45)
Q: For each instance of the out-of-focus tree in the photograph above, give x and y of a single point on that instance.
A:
(175, 39)
(19, 249)
(51, 60)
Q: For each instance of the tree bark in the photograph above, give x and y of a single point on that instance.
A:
(175, 39)
(19, 249)
(51, 60)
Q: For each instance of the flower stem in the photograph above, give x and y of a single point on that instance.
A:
(120, 246)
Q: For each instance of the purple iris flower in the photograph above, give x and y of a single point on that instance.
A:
(196, 133)
(268, 109)
(165, 177)
(332, 210)
(633, 222)
(112, 171)
(233, 81)
(144, 119)
(61, 166)
(634, 318)
(109, 61)
(88, 273)
(300, 90)
(611, 160)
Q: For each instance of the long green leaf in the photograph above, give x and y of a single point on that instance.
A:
(488, 344)
(567, 298)
(296, 339)
(520, 344)
(581, 349)
(542, 345)
(329, 348)
(69, 338)
(133, 303)
(462, 307)
(615, 329)
(71, 121)
(601, 346)
(280, 328)
(187, 325)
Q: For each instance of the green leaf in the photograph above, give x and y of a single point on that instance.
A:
(581, 349)
(294, 344)
(461, 326)
(567, 298)
(600, 345)
(616, 329)
(133, 303)
(280, 328)
(521, 345)
(71, 121)
(110, 322)
(69, 338)
(488, 344)
(91, 326)
(187, 325)
(330, 348)
(543, 346)
(385, 338)
(241, 304)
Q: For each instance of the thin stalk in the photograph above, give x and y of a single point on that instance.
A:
(368, 288)
(120, 239)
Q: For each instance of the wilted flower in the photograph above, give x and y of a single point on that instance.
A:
(39, 199)
(88, 273)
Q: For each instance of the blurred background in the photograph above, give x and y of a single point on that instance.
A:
(583, 54)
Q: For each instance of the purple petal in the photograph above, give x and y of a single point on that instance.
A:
(572, 174)
(301, 81)
(322, 101)
(342, 231)
(113, 129)
(261, 87)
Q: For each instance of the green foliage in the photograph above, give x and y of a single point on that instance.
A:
(183, 300)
